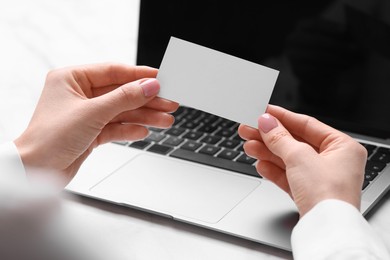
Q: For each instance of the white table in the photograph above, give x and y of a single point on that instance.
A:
(40, 35)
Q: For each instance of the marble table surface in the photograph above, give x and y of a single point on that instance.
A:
(40, 35)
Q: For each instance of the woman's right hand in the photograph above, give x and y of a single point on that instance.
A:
(308, 159)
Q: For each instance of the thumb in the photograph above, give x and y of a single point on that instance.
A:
(129, 96)
(277, 138)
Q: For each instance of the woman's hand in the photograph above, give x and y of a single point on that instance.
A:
(306, 158)
(86, 106)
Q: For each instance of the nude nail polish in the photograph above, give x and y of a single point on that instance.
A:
(266, 123)
(150, 87)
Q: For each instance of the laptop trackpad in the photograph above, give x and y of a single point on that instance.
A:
(177, 188)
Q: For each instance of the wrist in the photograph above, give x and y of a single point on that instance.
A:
(349, 198)
(28, 152)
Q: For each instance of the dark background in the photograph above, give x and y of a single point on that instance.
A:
(332, 67)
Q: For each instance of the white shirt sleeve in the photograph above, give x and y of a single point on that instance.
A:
(11, 165)
(334, 229)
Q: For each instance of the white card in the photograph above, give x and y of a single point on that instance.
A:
(215, 82)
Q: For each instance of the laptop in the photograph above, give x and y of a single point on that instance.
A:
(331, 67)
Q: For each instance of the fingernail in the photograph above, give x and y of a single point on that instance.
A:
(266, 123)
(150, 87)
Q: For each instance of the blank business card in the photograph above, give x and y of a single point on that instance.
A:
(215, 82)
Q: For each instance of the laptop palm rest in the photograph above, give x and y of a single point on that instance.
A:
(176, 188)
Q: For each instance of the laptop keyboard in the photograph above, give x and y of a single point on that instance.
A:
(378, 159)
(200, 137)
(204, 138)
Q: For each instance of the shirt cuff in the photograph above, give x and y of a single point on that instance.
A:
(11, 165)
(334, 229)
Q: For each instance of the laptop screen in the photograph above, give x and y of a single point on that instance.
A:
(333, 58)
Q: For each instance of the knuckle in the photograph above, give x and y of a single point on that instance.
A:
(275, 138)
(52, 74)
(355, 147)
(126, 94)
(361, 151)
(131, 94)
(311, 120)
(56, 75)
(112, 69)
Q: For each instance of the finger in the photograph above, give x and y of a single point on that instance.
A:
(157, 103)
(304, 127)
(273, 173)
(127, 97)
(248, 133)
(103, 90)
(107, 74)
(121, 132)
(162, 104)
(147, 117)
(280, 142)
(259, 150)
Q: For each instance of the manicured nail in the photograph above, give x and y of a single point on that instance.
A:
(267, 122)
(150, 87)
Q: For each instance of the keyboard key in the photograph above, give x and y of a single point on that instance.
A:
(228, 154)
(211, 139)
(191, 145)
(154, 137)
(375, 166)
(193, 135)
(180, 115)
(215, 161)
(370, 148)
(173, 141)
(229, 143)
(161, 149)
(209, 149)
(237, 137)
(177, 122)
(225, 132)
(155, 129)
(208, 129)
(192, 115)
(246, 159)
(209, 119)
(380, 157)
(140, 144)
(190, 125)
(176, 131)
(225, 123)
(384, 150)
(240, 148)
(179, 111)
(235, 127)
(370, 175)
